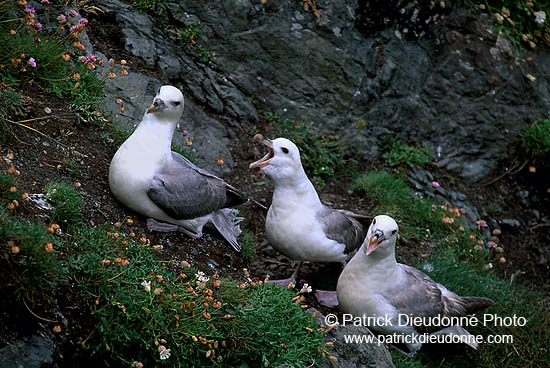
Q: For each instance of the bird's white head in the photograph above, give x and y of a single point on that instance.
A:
(167, 104)
(381, 236)
(282, 161)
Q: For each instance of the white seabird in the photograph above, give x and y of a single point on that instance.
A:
(374, 285)
(297, 223)
(150, 179)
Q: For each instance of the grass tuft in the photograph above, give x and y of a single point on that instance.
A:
(535, 141)
(67, 203)
(398, 153)
(322, 156)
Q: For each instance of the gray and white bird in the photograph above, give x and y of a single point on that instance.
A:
(150, 179)
(297, 223)
(374, 285)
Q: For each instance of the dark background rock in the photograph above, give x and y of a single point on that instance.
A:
(456, 90)
(32, 352)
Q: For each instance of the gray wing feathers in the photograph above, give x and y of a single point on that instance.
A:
(342, 226)
(421, 296)
(184, 191)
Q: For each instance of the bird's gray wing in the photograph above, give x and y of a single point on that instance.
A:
(184, 191)
(341, 226)
(419, 296)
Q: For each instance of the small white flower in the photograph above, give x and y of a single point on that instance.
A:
(305, 289)
(147, 286)
(201, 277)
(164, 353)
(540, 17)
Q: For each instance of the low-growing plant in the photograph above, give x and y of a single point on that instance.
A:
(322, 156)
(154, 7)
(148, 312)
(398, 153)
(419, 218)
(535, 141)
(67, 204)
(30, 261)
(8, 191)
(32, 54)
(525, 22)
(248, 244)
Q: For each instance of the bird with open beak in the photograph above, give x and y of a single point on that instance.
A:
(297, 223)
(373, 284)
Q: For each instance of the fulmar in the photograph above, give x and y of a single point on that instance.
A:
(297, 223)
(151, 179)
(406, 301)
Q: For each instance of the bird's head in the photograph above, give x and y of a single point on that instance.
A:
(282, 160)
(167, 104)
(381, 236)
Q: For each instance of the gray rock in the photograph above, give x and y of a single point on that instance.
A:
(457, 91)
(511, 224)
(352, 355)
(32, 352)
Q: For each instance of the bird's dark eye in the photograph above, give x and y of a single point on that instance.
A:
(177, 103)
(374, 222)
(284, 149)
(393, 232)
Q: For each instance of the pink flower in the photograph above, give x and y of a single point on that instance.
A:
(91, 59)
(73, 29)
(481, 223)
(29, 9)
(38, 25)
(185, 132)
(61, 19)
(82, 59)
(491, 244)
(45, 2)
(435, 184)
(73, 13)
(32, 62)
(83, 21)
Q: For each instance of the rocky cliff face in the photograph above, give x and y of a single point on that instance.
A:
(459, 90)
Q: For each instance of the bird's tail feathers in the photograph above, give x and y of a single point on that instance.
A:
(465, 337)
(472, 304)
(226, 221)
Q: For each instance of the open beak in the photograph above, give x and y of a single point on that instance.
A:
(158, 105)
(375, 241)
(264, 161)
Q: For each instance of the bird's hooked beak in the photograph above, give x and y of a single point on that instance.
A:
(158, 105)
(375, 241)
(264, 161)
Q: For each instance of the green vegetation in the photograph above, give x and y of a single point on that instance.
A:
(145, 309)
(190, 36)
(458, 263)
(66, 202)
(398, 153)
(30, 261)
(248, 245)
(322, 156)
(32, 56)
(153, 7)
(142, 303)
(535, 141)
(525, 22)
(418, 217)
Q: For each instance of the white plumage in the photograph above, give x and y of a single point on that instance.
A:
(152, 180)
